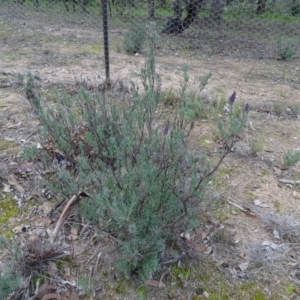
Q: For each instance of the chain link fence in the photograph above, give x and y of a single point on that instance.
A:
(256, 29)
(65, 32)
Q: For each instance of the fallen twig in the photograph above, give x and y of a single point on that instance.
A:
(56, 206)
(245, 210)
(74, 200)
(289, 181)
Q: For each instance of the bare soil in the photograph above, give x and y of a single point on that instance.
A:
(71, 53)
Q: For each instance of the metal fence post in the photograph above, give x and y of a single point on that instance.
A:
(105, 36)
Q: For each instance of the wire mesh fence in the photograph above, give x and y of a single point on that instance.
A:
(69, 34)
(249, 28)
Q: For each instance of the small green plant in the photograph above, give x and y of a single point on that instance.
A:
(170, 98)
(289, 289)
(86, 285)
(141, 292)
(134, 38)
(290, 158)
(256, 145)
(278, 109)
(218, 104)
(236, 120)
(285, 49)
(295, 108)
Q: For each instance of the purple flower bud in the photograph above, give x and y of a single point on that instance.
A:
(246, 108)
(59, 157)
(232, 98)
(166, 129)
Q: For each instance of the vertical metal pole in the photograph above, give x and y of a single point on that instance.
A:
(105, 35)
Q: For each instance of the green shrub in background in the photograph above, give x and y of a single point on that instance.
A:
(134, 39)
(295, 9)
(143, 184)
(290, 158)
(286, 49)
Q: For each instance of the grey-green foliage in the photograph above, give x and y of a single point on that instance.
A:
(134, 38)
(290, 158)
(143, 183)
(234, 124)
(10, 280)
(86, 285)
(286, 49)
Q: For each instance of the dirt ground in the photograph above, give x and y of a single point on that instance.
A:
(250, 186)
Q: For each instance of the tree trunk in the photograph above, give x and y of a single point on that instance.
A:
(261, 6)
(216, 9)
(151, 7)
(177, 7)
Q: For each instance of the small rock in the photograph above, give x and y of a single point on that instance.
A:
(229, 222)
(206, 295)
(260, 204)
(296, 195)
(276, 234)
(244, 266)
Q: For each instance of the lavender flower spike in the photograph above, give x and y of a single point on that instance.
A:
(166, 129)
(232, 98)
(246, 108)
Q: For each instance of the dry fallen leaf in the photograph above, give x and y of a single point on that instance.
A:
(73, 295)
(22, 167)
(200, 247)
(6, 188)
(67, 271)
(244, 266)
(296, 290)
(13, 181)
(44, 289)
(198, 235)
(74, 233)
(51, 297)
(208, 251)
(52, 268)
(296, 195)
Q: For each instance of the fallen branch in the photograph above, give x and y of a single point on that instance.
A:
(245, 210)
(289, 181)
(74, 200)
